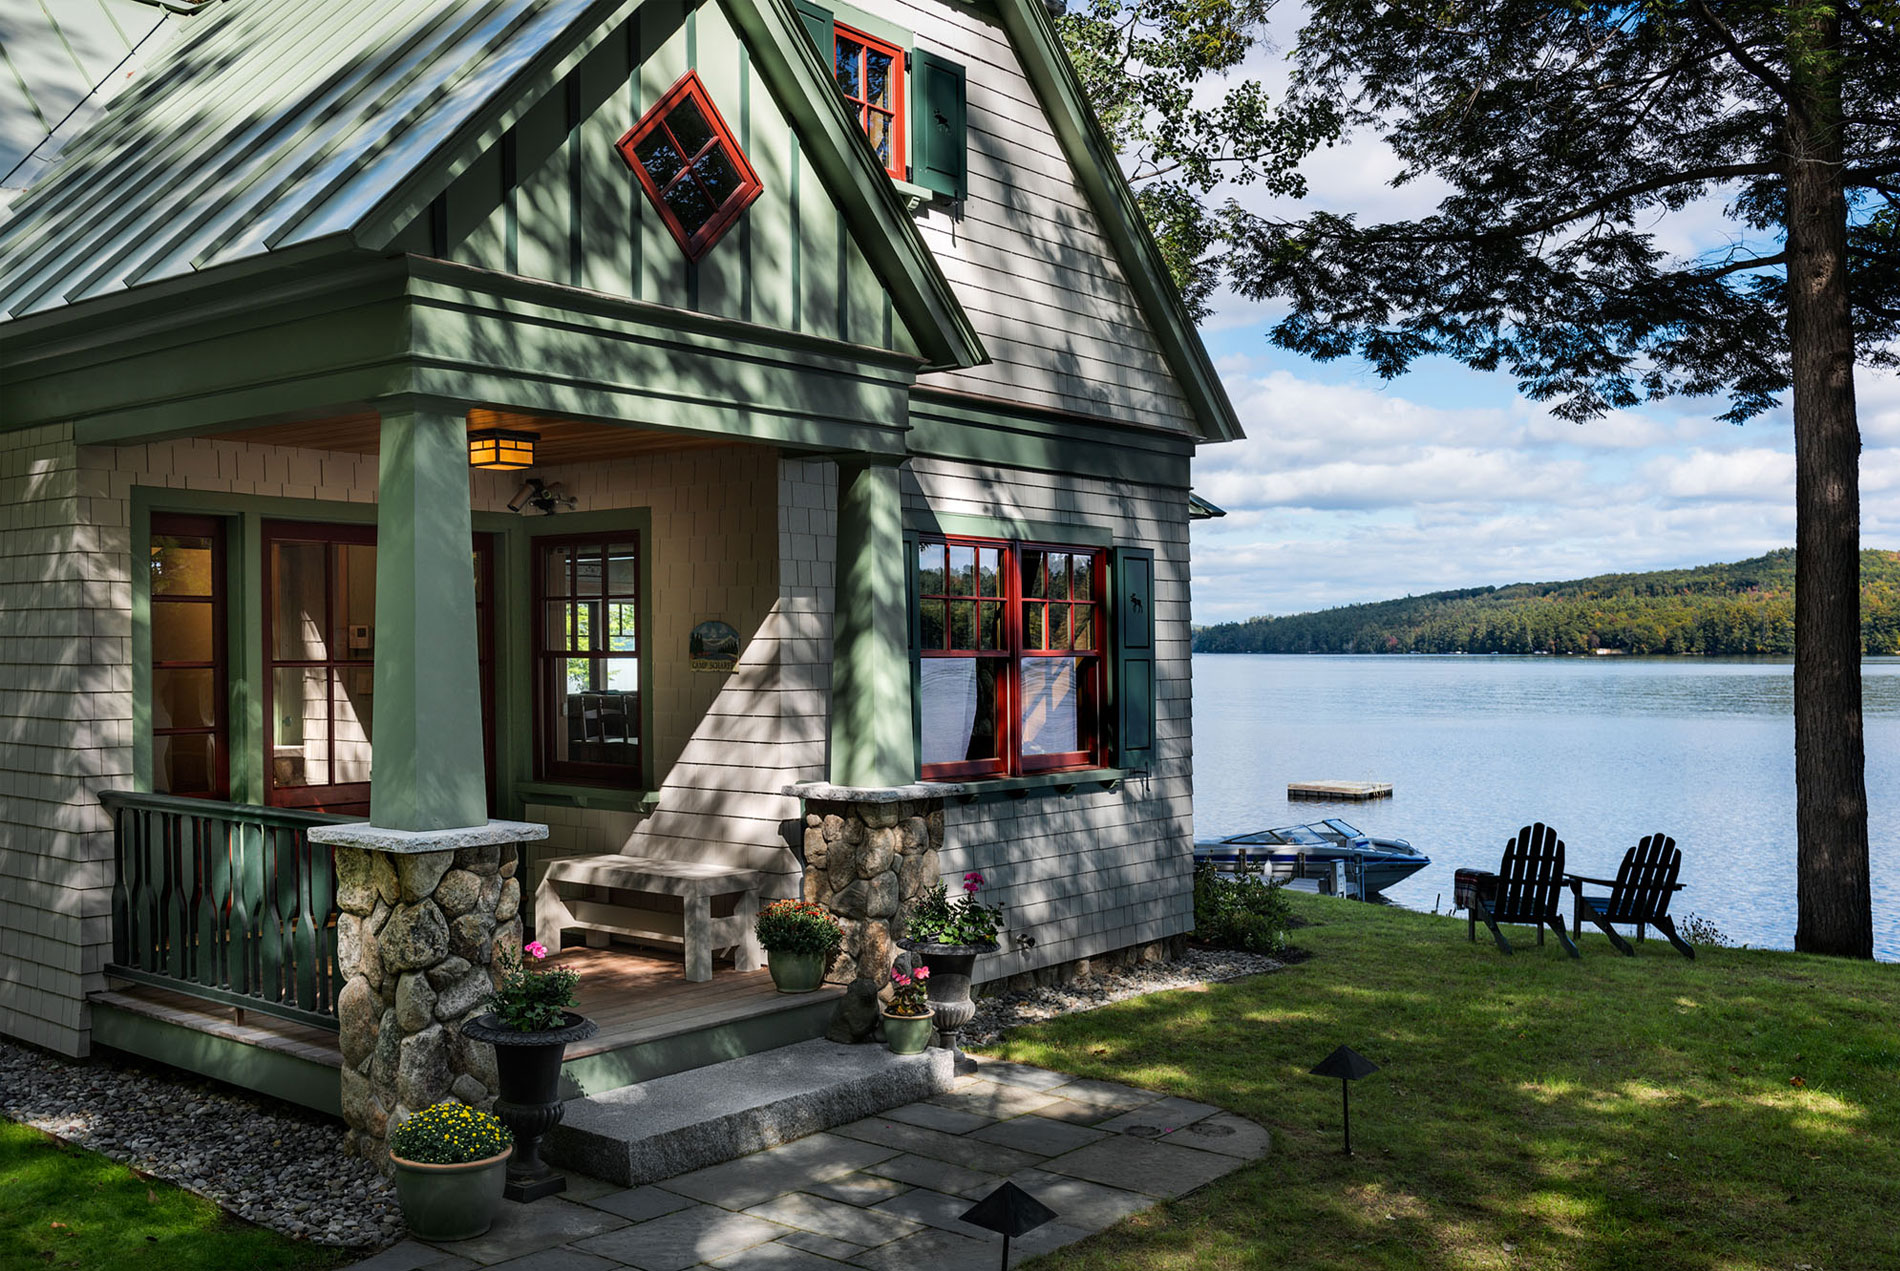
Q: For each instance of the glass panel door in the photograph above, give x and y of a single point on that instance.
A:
(189, 694)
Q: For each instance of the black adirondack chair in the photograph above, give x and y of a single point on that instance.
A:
(1639, 894)
(1529, 883)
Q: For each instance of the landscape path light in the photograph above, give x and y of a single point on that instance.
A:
(1348, 1065)
(1009, 1210)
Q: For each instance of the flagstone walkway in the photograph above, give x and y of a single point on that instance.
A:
(881, 1193)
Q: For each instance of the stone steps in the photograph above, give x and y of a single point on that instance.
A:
(689, 1120)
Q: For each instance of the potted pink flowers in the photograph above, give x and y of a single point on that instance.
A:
(908, 1019)
(529, 1026)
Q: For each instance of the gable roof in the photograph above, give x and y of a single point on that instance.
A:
(57, 65)
(310, 124)
(1098, 168)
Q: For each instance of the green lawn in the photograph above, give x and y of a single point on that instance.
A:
(1737, 1112)
(62, 1206)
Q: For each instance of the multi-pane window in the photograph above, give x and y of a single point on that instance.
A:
(1010, 641)
(691, 166)
(320, 662)
(189, 731)
(870, 74)
(587, 658)
(320, 670)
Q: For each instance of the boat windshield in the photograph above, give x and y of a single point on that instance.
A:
(1341, 828)
(1300, 836)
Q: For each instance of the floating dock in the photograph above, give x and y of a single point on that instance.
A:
(1339, 791)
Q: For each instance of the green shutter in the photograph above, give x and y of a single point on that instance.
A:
(1131, 583)
(819, 24)
(938, 151)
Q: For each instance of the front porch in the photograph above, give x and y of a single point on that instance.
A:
(653, 1023)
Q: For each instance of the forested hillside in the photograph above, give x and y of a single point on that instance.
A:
(1745, 607)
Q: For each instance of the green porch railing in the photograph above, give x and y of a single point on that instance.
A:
(225, 901)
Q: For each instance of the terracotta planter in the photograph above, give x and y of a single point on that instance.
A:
(951, 966)
(907, 1034)
(797, 972)
(529, 1065)
(449, 1202)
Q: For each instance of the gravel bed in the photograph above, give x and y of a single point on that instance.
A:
(998, 1014)
(273, 1163)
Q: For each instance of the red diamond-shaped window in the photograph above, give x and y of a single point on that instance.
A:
(691, 166)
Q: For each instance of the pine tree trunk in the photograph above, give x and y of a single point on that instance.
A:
(1833, 892)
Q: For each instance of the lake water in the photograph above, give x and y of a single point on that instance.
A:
(1606, 750)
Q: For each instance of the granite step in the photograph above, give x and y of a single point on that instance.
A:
(706, 1116)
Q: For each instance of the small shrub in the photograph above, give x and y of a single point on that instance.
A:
(1243, 912)
(1699, 930)
(450, 1133)
(796, 926)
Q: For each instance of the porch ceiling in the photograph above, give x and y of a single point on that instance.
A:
(562, 441)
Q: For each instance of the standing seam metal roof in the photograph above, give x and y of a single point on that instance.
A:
(272, 123)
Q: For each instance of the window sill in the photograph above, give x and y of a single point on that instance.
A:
(600, 797)
(991, 788)
(914, 196)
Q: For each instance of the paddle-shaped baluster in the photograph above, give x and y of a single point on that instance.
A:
(247, 902)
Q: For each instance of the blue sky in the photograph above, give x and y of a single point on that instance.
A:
(1349, 488)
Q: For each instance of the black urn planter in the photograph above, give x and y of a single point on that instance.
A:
(530, 1104)
(948, 988)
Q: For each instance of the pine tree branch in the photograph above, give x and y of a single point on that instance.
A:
(1737, 50)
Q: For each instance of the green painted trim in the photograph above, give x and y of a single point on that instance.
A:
(287, 1077)
(803, 87)
(927, 521)
(871, 739)
(601, 797)
(980, 431)
(428, 722)
(1098, 170)
(801, 1019)
(871, 24)
(1086, 781)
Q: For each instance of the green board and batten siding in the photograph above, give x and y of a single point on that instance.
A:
(577, 215)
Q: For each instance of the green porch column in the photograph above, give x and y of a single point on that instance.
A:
(427, 728)
(871, 739)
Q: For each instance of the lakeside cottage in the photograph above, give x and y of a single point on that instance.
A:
(647, 457)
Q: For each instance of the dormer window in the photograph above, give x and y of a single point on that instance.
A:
(691, 166)
(870, 74)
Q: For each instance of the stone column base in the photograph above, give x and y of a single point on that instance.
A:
(424, 917)
(868, 853)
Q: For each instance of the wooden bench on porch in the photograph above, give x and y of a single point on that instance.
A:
(696, 904)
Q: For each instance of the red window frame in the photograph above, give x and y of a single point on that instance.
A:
(1023, 635)
(694, 243)
(860, 102)
(550, 696)
(210, 528)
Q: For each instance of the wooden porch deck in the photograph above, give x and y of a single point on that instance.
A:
(653, 1021)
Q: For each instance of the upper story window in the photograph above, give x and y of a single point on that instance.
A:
(909, 101)
(1011, 646)
(691, 166)
(870, 74)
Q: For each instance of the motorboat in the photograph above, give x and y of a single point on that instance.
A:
(1360, 864)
